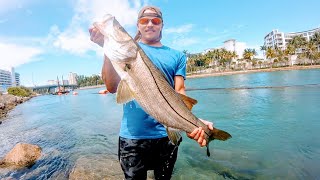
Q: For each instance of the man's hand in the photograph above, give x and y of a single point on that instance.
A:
(198, 133)
(96, 36)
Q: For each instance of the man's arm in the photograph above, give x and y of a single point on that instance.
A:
(198, 133)
(179, 85)
(109, 75)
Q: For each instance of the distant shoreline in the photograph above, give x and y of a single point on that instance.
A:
(227, 73)
(92, 87)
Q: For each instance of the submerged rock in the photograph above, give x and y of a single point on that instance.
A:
(22, 155)
(96, 168)
(99, 167)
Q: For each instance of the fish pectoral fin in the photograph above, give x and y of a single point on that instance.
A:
(174, 135)
(188, 101)
(124, 93)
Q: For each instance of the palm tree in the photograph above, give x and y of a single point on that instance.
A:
(280, 56)
(260, 62)
(249, 53)
(270, 54)
(316, 39)
(190, 64)
(263, 49)
(298, 42)
(289, 51)
(310, 50)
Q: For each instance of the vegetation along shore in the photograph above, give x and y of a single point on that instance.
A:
(208, 73)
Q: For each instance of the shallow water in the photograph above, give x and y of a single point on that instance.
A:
(273, 118)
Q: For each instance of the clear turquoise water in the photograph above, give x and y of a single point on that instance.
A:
(273, 118)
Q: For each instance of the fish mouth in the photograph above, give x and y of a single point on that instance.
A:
(111, 28)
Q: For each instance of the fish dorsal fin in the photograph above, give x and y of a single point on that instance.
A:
(124, 93)
(188, 101)
(174, 135)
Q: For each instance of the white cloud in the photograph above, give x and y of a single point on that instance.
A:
(75, 38)
(182, 29)
(14, 55)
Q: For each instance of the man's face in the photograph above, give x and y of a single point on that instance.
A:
(150, 32)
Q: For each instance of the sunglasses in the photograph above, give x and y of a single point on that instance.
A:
(145, 21)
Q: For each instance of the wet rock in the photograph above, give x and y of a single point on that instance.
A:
(8, 102)
(2, 106)
(22, 155)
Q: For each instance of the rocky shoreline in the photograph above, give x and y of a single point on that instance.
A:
(8, 102)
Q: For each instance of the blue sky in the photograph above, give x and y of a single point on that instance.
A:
(46, 39)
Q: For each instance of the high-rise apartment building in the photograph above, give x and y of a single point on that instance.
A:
(8, 79)
(281, 39)
(72, 78)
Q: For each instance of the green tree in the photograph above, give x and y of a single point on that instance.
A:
(263, 49)
(298, 42)
(89, 80)
(19, 91)
(270, 54)
(310, 51)
(249, 53)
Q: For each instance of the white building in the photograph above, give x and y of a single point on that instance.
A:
(233, 45)
(72, 78)
(8, 79)
(17, 77)
(281, 39)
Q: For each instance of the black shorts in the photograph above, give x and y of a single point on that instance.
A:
(138, 156)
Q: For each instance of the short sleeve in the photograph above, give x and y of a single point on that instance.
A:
(181, 66)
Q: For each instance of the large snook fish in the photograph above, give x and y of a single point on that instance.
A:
(142, 81)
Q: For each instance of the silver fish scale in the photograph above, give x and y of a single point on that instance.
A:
(159, 99)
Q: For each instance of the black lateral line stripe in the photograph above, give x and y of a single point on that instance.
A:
(163, 94)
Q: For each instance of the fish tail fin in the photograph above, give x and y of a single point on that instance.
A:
(219, 134)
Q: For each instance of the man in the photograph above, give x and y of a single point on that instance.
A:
(143, 142)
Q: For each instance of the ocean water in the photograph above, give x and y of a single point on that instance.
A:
(274, 119)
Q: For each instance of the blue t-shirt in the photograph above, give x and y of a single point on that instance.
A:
(136, 123)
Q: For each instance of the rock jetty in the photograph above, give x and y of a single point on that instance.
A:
(8, 102)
